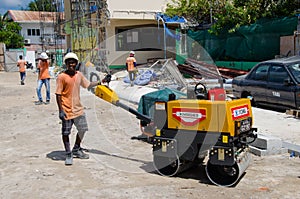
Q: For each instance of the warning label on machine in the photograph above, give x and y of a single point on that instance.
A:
(189, 117)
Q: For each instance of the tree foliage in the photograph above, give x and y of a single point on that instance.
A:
(9, 33)
(228, 15)
(42, 5)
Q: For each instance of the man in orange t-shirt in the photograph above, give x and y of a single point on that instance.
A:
(43, 78)
(70, 108)
(131, 67)
(21, 64)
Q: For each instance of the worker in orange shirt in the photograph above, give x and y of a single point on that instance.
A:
(131, 67)
(71, 111)
(43, 78)
(21, 64)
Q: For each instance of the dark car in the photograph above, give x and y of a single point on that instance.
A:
(274, 83)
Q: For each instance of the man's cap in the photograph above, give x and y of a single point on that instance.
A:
(44, 55)
(71, 55)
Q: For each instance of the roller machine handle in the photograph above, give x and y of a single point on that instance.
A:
(107, 94)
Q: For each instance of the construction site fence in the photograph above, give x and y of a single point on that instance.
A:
(237, 65)
(257, 42)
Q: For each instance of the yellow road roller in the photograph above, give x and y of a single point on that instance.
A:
(187, 131)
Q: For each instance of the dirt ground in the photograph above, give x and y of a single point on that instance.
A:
(32, 162)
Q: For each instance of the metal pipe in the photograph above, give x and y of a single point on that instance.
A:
(139, 116)
(165, 45)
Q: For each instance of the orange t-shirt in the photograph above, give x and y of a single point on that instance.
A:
(130, 63)
(21, 64)
(44, 69)
(69, 89)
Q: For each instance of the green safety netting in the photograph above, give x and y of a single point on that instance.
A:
(257, 42)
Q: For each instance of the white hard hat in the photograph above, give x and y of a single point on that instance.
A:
(71, 55)
(44, 55)
(132, 52)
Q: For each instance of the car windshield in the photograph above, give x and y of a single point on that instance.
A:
(295, 70)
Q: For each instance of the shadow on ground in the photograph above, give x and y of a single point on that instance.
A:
(195, 172)
(57, 155)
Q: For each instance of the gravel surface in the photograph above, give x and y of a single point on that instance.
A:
(32, 162)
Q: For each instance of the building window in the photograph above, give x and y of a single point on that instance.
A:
(33, 32)
(146, 38)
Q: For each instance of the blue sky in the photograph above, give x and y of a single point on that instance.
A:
(13, 5)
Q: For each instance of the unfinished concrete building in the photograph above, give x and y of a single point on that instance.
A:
(102, 32)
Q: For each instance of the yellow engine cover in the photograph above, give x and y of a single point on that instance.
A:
(106, 94)
(206, 115)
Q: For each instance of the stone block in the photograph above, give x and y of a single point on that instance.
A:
(267, 145)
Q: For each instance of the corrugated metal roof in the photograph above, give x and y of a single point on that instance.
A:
(33, 16)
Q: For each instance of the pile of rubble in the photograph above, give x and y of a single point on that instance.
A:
(167, 73)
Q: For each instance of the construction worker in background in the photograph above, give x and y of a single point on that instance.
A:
(21, 64)
(71, 111)
(131, 67)
(43, 78)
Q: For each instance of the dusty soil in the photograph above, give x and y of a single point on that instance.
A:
(32, 162)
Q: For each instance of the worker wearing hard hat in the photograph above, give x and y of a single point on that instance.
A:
(71, 111)
(131, 66)
(43, 78)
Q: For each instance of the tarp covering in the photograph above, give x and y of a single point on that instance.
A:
(171, 20)
(257, 42)
(167, 19)
(172, 35)
(143, 77)
(147, 101)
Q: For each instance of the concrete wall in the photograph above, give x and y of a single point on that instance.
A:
(33, 39)
(128, 14)
(287, 45)
(48, 30)
(118, 57)
(135, 9)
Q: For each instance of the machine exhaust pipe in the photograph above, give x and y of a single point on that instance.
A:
(228, 176)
